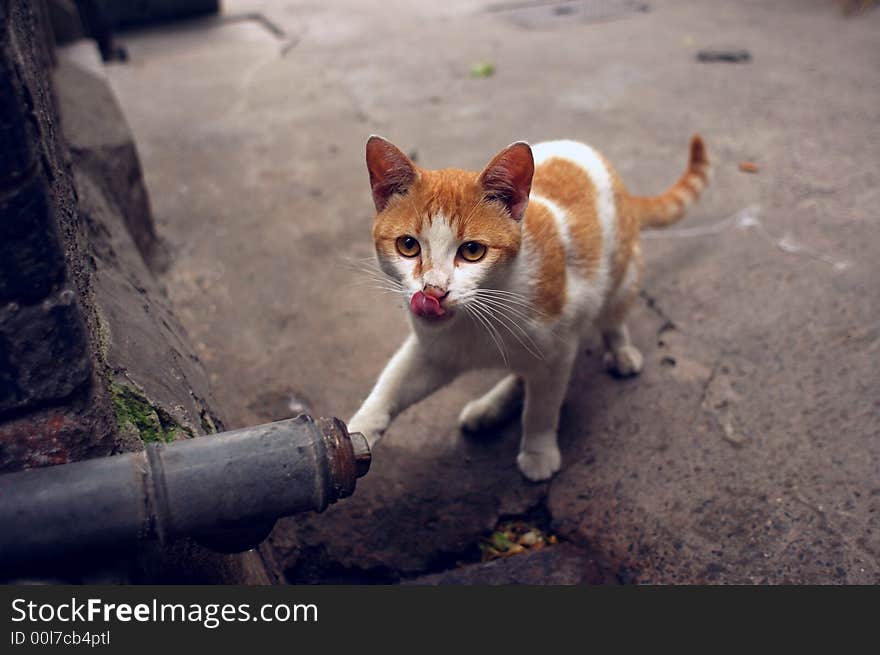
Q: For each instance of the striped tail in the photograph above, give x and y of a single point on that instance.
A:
(670, 206)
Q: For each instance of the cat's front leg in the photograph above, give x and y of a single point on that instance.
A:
(546, 386)
(408, 377)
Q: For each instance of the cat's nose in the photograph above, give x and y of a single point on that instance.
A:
(436, 292)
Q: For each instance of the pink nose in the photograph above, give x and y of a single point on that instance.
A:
(426, 305)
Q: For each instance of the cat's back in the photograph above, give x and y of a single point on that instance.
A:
(580, 188)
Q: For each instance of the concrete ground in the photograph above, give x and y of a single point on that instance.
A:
(748, 449)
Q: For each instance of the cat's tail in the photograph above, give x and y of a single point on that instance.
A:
(670, 206)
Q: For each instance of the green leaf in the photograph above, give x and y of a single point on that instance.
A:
(483, 69)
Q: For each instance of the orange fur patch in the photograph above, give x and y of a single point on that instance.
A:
(541, 228)
(569, 186)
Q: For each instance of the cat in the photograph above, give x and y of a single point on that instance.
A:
(508, 268)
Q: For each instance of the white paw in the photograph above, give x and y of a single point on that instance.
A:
(479, 415)
(370, 424)
(541, 465)
(625, 361)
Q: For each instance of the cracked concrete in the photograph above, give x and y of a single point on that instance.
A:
(747, 451)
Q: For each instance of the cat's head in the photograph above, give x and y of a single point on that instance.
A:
(444, 235)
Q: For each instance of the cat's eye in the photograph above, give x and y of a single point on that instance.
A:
(408, 246)
(472, 251)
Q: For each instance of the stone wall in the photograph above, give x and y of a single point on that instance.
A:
(51, 410)
(92, 359)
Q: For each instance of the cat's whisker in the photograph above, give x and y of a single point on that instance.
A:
(490, 330)
(393, 292)
(510, 324)
(523, 305)
(502, 292)
(516, 311)
(507, 311)
(361, 261)
(379, 283)
(378, 275)
(384, 288)
(478, 320)
(511, 312)
(491, 320)
(371, 271)
(368, 275)
(370, 282)
(366, 267)
(383, 280)
(507, 296)
(515, 321)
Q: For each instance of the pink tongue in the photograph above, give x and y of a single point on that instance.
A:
(424, 305)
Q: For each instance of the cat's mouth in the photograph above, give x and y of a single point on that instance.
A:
(428, 307)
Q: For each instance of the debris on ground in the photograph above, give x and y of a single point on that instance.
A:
(483, 69)
(856, 7)
(513, 538)
(731, 56)
(748, 167)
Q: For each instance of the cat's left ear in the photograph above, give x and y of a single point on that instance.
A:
(508, 178)
(391, 171)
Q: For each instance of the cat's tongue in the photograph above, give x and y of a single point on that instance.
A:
(426, 306)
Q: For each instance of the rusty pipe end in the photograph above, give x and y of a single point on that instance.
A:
(362, 455)
(348, 454)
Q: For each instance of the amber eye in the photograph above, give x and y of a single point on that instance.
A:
(472, 251)
(408, 246)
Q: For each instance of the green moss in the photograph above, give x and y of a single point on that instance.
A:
(135, 412)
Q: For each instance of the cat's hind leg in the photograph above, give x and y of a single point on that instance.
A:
(496, 406)
(621, 358)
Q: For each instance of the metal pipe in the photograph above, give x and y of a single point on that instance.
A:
(226, 490)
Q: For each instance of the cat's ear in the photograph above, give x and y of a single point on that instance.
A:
(391, 171)
(508, 178)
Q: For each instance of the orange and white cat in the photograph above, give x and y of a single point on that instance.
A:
(509, 268)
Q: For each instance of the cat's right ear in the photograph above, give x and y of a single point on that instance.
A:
(508, 178)
(391, 171)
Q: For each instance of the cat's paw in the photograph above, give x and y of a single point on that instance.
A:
(624, 362)
(479, 415)
(541, 465)
(370, 424)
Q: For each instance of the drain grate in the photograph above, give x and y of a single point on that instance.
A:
(539, 14)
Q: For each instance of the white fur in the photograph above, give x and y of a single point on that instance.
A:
(439, 247)
(538, 352)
